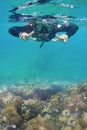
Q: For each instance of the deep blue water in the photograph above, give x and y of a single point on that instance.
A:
(22, 61)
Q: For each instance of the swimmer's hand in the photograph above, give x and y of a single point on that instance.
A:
(62, 38)
(25, 36)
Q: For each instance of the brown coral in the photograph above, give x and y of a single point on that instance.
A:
(39, 123)
(83, 120)
(11, 116)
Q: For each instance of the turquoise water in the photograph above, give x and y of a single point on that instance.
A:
(22, 61)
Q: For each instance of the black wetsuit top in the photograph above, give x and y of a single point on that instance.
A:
(70, 30)
(15, 31)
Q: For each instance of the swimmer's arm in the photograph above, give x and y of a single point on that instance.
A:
(63, 38)
(70, 30)
(26, 36)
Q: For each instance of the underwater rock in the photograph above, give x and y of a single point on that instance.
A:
(47, 116)
(25, 113)
(34, 106)
(64, 116)
(39, 123)
(73, 93)
(63, 119)
(83, 120)
(11, 116)
(56, 103)
(31, 102)
(73, 123)
(16, 102)
(26, 108)
(83, 87)
(73, 89)
(1, 103)
(77, 127)
(75, 104)
(3, 90)
(6, 99)
(66, 128)
(66, 113)
(85, 128)
(68, 121)
(25, 91)
(46, 109)
(84, 96)
(44, 94)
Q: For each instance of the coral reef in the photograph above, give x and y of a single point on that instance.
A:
(43, 107)
(83, 120)
(10, 116)
(39, 123)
